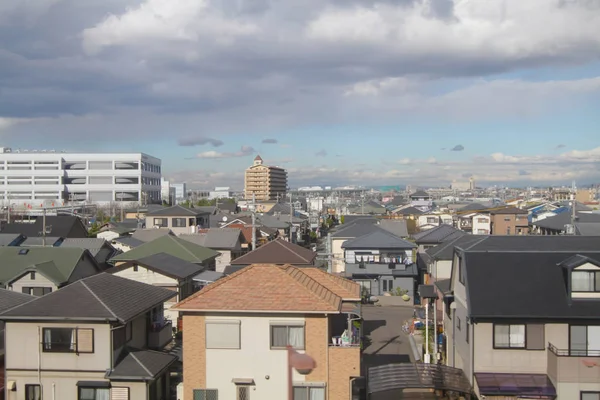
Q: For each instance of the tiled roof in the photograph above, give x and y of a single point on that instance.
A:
(379, 239)
(438, 234)
(56, 226)
(10, 299)
(92, 244)
(277, 251)
(272, 288)
(354, 230)
(558, 221)
(141, 365)
(148, 235)
(535, 243)
(408, 211)
(164, 264)
(445, 250)
(38, 241)
(396, 226)
(176, 211)
(246, 231)
(419, 193)
(216, 238)
(102, 297)
(129, 241)
(171, 245)
(344, 288)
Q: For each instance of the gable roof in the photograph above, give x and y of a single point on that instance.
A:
(171, 245)
(420, 193)
(141, 365)
(216, 238)
(148, 235)
(587, 228)
(473, 207)
(164, 264)
(278, 251)
(270, 288)
(176, 211)
(10, 299)
(397, 227)
(56, 226)
(411, 210)
(102, 297)
(246, 231)
(539, 293)
(379, 239)
(445, 250)
(508, 210)
(438, 234)
(557, 222)
(93, 245)
(129, 241)
(56, 263)
(41, 241)
(354, 230)
(535, 243)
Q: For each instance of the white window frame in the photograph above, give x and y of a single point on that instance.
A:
(212, 328)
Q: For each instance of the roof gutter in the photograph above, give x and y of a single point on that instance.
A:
(63, 319)
(254, 311)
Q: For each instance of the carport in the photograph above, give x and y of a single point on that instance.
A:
(416, 381)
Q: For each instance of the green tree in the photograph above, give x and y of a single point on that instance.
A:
(342, 219)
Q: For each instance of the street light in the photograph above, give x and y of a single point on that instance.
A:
(302, 363)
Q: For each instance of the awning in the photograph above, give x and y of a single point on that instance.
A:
(535, 386)
(243, 381)
(352, 308)
(94, 384)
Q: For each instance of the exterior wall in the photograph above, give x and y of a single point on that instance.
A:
(428, 219)
(85, 268)
(462, 353)
(441, 269)
(479, 226)
(502, 222)
(108, 235)
(187, 229)
(223, 260)
(344, 363)
(194, 356)
(267, 183)
(338, 255)
(26, 281)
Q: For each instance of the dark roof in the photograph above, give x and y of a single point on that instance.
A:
(409, 211)
(228, 206)
(396, 226)
(141, 365)
(438, 234)
(10, 299)
(508, 210)
(278, 251)
(532, 243)
(148, 235)
(129, 241)
(164, 264)
(378, 239)
(102, 297)
(445, 250)
(530, 285)
(42, 241)
(397, 201)
(587, 228)
(557, 222)
(216, 238)
(57, 226)
(443, 285)
(176, 211)
(93, 245)
(230, 269)
(472, 207)
(171, 245)
(208, 276)
(427, 292)
(363, 219)
(354, 230)
(281, 208)
(420, 193)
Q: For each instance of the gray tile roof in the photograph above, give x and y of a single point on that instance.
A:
(558, 221)
(92, 244)
(7, 239)
(10, 299)
(141, 365)
(278, 251)
(473, 207)
(168, 265)
(56, 226)
(172, 245)
(443, 285)
(354, 230)
(588, 228)
(102, 297)
(230, 269)
(208, 276)
(130, 241)
(148, 235)
(437, 234)
(39, 241)
(419, 193)
(445, 250)
(396, 226)
(362, 219)
(216, 238)
(408, 211)
(177, 211)
(532, 243)
(379, 239)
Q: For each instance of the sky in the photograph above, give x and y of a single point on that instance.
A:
(338, 92)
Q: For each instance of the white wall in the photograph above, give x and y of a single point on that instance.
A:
(422, 220)
(26, 281)
(253, 360)
(441, 269)
(481, 225)
(108, 235)
(223, 260)
(338, 255)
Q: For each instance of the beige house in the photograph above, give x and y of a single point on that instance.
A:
(522, 316)
(178, 219)
(264, 182)
(227, 241)
(236, 331)
(94, 339)
(509, 221)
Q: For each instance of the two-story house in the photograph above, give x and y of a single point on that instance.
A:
(51, 226)
(432, 237)
(421, 200)
(381, 263)
(522, 316)
(278, 251)
(179, 219)
(227, 241)
(475, 223)
(236, 331)
(89, 340)
(509, 221)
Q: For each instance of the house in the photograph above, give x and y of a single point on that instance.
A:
(56, 226)
(227, 241)
(179, 219)
(42, 241)
(347, 232)
(382, 263)
(270, 226)
(205, 278)
(42, 270)
(370, 207)
(522, 316)
(278, 252)
(475, 223)
(421, 200)
(428, 221)
(126, 243)
(509, 221)
(587, 228)
(396, 227)
(100, 249)
(113, 230)
(408, 212)
(163, 270)
(90, 340)
(557, 224)
(247, 234)
(11, 239)
(174, 246)
(433, 237)
(148, 235)
(241, 324)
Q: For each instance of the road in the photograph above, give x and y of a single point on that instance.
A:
(385, 342)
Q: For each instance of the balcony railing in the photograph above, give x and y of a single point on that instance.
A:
(572, 352)
(570, 365)
(339, 341)
(160, 334)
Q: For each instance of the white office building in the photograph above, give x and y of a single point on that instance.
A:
(180, 192)
(43, 177)
(220, 193)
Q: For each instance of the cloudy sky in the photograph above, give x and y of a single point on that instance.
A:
(336, 91)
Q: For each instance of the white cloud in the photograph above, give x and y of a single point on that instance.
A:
(244, 151)
(165, 20)
(6, 123)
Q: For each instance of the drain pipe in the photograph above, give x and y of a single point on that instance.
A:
(39, 366)
(53, 391)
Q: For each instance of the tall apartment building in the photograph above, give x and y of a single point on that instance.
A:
(265, 182)
(36, 177)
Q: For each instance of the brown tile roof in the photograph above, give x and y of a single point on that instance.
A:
(278, 251)
(246, 231)
(273, 288)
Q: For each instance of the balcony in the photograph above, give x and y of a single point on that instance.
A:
(160, 334)
(572, 365)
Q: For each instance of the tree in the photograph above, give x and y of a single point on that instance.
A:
(342, 219)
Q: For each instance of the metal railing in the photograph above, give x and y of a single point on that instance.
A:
(573, 352)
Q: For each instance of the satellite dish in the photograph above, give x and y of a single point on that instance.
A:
(224, 219)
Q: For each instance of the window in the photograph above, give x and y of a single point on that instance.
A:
(243, 392)
(585, 281)
(33, 392)
(223, 334)
(135, 268)
(32, 276)
(119, 393)
(508, 230)
(507, 219)
(467, 332)
(205, 394)
(509, 336)
(482, 220)
(390, 285)
(583, 340)
(284, 335)
(309, 393)
(68, 340)
(589, 395)
(431, 220)
(458, 323)
(36, 291)
(461, 272)
(89, 393)
(178, 222)
(161, 222)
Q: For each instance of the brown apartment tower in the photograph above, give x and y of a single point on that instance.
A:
(265, 182)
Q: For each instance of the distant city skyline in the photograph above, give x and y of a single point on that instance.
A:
(359, 92)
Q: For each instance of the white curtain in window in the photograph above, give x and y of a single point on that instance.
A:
(280, 336)
(102, 394)
(296, 337)
(582, 281)
(317, 393)
(73, 346)
(517, 335)
(47, 339)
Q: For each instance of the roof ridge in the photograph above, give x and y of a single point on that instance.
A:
(284, 269)
(291, 249)
(335, 279)
(141, 364)
(180, 244)
(98, 298)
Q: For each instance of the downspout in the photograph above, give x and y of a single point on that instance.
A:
(327, 339)
(472, 353)
(53, 391)
(40, 362)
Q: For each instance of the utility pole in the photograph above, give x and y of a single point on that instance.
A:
(8, 208)
(44, 227)
(253, 221)
(122, 211)
(573, 210)
(291, 217)
(362, 202)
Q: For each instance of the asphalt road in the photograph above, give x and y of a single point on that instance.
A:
(385, 342)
